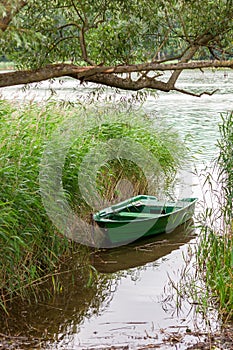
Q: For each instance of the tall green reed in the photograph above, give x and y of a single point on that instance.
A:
(215, 252)
(29, 245)
(161, 144)
(31, 248)
(206, 279)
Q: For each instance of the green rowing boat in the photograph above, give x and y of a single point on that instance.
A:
(142, 216)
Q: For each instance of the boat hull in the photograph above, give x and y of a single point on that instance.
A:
(122, 226)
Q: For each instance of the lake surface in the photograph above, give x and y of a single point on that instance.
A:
(133, 303)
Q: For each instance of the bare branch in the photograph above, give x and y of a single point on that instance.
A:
(113, 80)
(74, 24)
(84, 47)
(56, 43)
(204, 39)
(101, 19)
(78, 12)
(213, 53)
(187, 38)
(220, 51)
(83, 29)
(193, 94)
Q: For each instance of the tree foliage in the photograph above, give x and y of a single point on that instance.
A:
(96, 40)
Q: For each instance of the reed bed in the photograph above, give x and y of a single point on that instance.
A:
(31, 247)
(215, 252)
(206, 280)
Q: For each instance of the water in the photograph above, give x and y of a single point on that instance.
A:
(128, 305)
(197, 117)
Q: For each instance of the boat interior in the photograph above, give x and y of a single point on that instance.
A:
(141, 211)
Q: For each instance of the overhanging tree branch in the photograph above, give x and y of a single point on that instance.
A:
(114, 34)
(109, 76)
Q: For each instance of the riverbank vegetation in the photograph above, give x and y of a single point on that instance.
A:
(215, 252)
(4, 65)
(210, 289)
(31, 247)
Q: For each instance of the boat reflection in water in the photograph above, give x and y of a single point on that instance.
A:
(143, 251)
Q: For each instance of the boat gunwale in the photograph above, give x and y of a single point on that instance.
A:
(190, 202)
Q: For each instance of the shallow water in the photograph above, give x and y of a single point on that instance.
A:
(133, 304)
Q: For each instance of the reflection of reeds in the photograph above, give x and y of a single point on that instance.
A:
(30, 245)
(79, 293)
